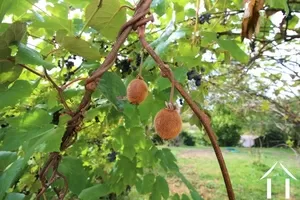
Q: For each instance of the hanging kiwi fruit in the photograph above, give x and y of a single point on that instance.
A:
(167, 122)
(137, 90)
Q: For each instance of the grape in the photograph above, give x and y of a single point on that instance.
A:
(191, 74)
(124, 66)
(204, 18)
(111, 157)
(198, 77)
(181, 101)
(4, 125)
(198, 83)
(69, 64)
(138, 60)
(55, 117)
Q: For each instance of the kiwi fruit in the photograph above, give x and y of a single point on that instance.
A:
(137, 91)
(168, 123)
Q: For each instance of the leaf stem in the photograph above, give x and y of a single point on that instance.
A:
(25, 67)
(141, 64)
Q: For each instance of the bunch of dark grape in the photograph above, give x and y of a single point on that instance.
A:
(125, 66)
(111, 157)
(70, 62)
(204, 18)
(193, 75)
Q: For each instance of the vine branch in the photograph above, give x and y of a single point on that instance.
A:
(166, 72)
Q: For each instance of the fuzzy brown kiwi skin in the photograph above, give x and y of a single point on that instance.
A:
(168, 123)
(137, 91)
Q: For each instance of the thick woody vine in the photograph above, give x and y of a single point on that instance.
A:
(137, 22)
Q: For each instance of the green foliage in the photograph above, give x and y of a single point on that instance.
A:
(228, 135)
(80, 47)
(108, 19)
(114, 148)
(188, 139)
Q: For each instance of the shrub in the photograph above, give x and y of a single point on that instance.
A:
(228, 135)
(187, 139)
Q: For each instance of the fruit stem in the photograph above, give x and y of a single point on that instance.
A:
(141, 64)
(172, 87)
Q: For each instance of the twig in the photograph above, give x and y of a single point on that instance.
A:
(33, 71)
(71, 82)
(25, 67)
(199, 113)
(60, 93)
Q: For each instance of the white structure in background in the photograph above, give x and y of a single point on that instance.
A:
(248, 140)
(287, 181)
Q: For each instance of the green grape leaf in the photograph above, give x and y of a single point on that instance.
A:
(121, 168)
(11, 174)
(155, 195)
(4, 7)
(235, 51)
(195, 195)
(76, 175)
(9, 72)
(107, 19)
(27, 55)
(278, 4)
(6, 158)
(19, 91)
(184, 197)
(176, 197)
(47, 141)
(162, 186)
(14, 33)
(113, 88)
(146, 108)
(26, 127)
(15, 196)
(167, 159)
(159, 7)
(5, 51)
(147, 183)
(94, 192)
(81, 47)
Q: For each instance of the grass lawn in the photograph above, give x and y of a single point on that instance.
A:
(200, 167)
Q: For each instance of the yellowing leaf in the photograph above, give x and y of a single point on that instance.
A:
(250, 24)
